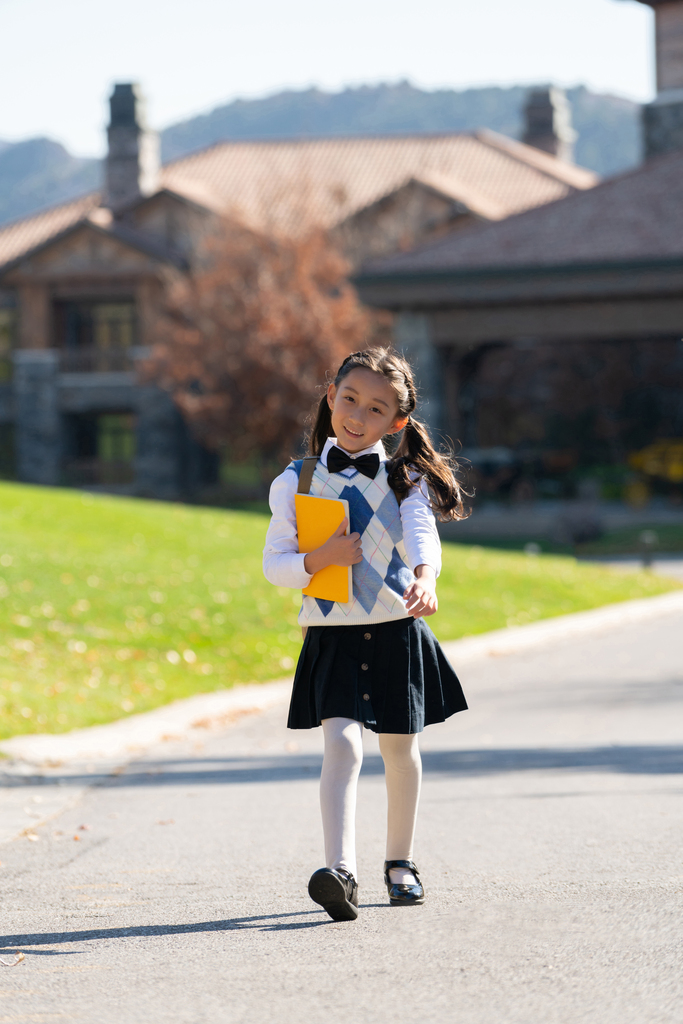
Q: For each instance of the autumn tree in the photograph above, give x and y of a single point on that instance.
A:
(245, 340)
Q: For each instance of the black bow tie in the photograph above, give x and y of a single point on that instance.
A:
(337, 460)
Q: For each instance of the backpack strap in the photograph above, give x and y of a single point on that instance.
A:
(306, 475)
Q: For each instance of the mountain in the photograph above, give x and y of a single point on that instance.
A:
(41, 172)
(608, 126)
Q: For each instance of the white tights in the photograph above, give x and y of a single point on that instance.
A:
(339, 783)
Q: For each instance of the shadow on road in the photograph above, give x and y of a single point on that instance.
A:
(220, 771)
(265, 922)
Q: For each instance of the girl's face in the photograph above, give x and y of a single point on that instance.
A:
(364, 408)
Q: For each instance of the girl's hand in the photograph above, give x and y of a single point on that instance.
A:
(420, 596)
(338, 550)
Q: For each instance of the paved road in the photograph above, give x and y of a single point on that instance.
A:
(550, 844)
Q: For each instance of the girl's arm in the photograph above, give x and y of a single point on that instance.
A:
(338, 550)
(282, 563)
(420, 596)
(423, 548)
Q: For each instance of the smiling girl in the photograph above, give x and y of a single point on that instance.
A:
(372, 661)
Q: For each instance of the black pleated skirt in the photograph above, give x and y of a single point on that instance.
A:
(391, 676)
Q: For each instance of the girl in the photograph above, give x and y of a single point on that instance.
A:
(372, 661)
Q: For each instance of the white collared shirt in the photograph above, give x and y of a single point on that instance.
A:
(283, 565)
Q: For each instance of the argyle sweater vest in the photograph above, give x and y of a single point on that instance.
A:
(380, 579)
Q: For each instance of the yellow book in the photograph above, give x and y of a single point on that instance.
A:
(316, 520)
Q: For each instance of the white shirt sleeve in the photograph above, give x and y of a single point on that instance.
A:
(420, 536)
(282, 563)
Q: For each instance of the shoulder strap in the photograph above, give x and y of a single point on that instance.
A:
(306, 475)
(399, 499)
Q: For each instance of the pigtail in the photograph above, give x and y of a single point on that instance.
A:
(416, 453)
(321, 429)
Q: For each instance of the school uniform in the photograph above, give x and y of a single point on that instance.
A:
(366, 659)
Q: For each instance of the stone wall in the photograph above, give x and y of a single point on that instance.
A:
(38, 427)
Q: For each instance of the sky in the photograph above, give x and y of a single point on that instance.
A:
(60, 57)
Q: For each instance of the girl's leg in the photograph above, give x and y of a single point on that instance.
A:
(338, 785)
(403, 770)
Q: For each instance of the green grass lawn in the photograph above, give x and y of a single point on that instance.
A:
(110, 606)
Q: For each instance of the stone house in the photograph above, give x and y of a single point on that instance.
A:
(550, 344)
(80, 283)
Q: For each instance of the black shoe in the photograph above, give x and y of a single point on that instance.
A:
(336, 890)
(401, 894)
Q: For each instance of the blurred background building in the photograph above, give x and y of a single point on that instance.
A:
(81, 282)
(543, 308)
(550, 342)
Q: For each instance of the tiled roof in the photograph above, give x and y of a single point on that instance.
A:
(288, 184)
(637, 216)
(22, 235)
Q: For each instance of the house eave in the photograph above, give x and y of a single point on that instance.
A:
(123, 235)
(399, 290)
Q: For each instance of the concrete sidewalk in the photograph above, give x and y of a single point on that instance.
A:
(549, 840)
(662, 565)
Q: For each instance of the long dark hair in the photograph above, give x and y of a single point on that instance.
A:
(415, 452)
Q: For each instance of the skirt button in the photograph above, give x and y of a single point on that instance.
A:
(367, 636)
(366, 696)
(364, 667)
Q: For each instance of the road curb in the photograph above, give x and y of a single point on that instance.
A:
(120, 741)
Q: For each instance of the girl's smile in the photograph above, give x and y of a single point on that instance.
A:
(363, 409)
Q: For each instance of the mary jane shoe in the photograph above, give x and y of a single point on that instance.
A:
(336, 890)
(400, 893)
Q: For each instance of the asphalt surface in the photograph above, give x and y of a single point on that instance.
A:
(549, 843)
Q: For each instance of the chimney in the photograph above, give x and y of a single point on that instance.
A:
(548, 122)
(663, 118)
(132, 165)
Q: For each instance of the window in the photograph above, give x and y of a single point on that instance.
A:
(8, 320)
(7, 460)
(100, 449)
(95, 335)
(116, 438)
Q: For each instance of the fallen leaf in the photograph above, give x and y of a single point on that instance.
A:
(18, 957)
(169, 821)
(77, 839)
(84, 828)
